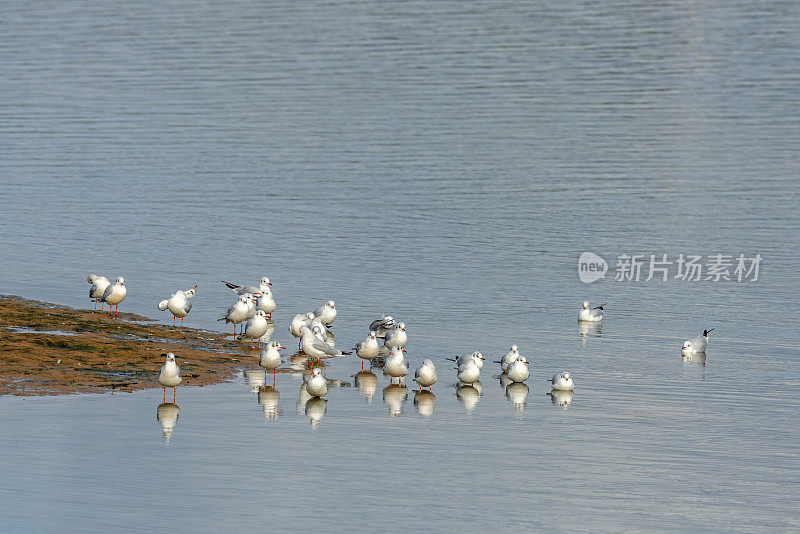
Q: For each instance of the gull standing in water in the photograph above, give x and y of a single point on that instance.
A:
(241, 290)
(425, 376)
(396, 365)
(99, 285)
(590, 315)
(114, 294)
(562, 382)
(696, 344)
(256, 327)
(476, 356)
(266, 301)
(317, 386)
(270, 359)
(326, 313)
(367, 349)
(509, 357)
(396, 337)
(312, 344)
(518, 370)
(468, 372)
(298, 322)
(170, 375)
(178, 304)
(237, 313)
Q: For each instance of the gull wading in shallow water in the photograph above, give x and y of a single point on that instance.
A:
(270, 359)
(367, 349)
(380, 326)
(170, 375)
(326, 313)
(396, 337)
(317, 386)
(99, 285)
(178, 304)
(396, 365)
(253, 290)
(509, 357)
(562, 382)
(468, 372)
(425, 376)
(114, 294)
(312, 344)
(256, 327)
(696, 344)
(237, 313)
(518, 370)
(590, 315)
(476, 357)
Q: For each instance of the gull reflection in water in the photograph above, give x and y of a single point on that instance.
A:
(589, 329)
(561, 398)
(367, 383)
(469, 395)
(425, 402)
(167, 414)
(694, 358)
(268, 335)
(268, 398)
(316, 408)
(394, 395)
(517, 393)
(254, 378)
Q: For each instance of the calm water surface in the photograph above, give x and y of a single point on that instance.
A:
(446, 163)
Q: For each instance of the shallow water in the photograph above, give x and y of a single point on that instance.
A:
(445, 163)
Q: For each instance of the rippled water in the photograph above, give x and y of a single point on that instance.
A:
(446, 163)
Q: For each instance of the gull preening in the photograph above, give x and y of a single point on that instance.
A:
(476, 357)
(114, 294)
(518, 370)
(396, 365)
(270, 359)
(317, 386)
(326, 313)
(178, 304)
(509, 357)
(562, 382)
(396, 337)
(425, 375)
(367, 349)
(380, 326)
(170, 375)
(99, 285)
(696, 344)
(254, 290)
(590, 315)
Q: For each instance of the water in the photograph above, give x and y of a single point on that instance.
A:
(446, 163)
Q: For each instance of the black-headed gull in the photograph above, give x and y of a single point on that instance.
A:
(396, 337)
(256, 327)
(326, 313)
(266, 302)
(99, 285)
(696, 344)
(590, 314)
(425, 375)
(380, 326)
(317, 386)
(170, 375)
(476, 356)
(468, 372)
(114, 294)
(178, 304)
(254, 290)
(237, 313)
(562, 382)
(396, 365)
(312, 344)
(270, 358)
(367, 349)
(518, 370)
(509, 357)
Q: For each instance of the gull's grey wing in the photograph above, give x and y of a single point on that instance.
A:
(324, 347)
(107, 292)
(187, 306)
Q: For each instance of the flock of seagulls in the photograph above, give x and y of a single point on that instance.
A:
(252, 314)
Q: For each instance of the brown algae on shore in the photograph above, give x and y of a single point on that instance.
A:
(46, 349)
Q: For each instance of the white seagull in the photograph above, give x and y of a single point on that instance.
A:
(396, 365)
(237, 313)
(170, 375)
(312, 344)
(425, 376)
(518, 370)
(468, 372)
(178, 304)
(317, 386)
(255, 290)
(562, 382)
(590, 315)
(476, 356)
(509, 357)
(115, 293)
(266, 301)
(380, 326)
(270, 358)
(367, 349)
(326, 313)
(99, 285)
(696, 344)
(396, 337)
(256, 327)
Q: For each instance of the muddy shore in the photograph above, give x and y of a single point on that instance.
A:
(47, 349)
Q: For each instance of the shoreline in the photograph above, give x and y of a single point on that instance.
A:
(49, 349)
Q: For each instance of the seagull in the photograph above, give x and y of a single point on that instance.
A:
(697, 344)
(468, 372)
(298, 322)
(237, 313)
(256, 327)
(170, 375)
(367, 349)
(562, 382)
(518, 370)
(270, 358)
(178, 304)
(476, 356)
(241, 290)
(425, 376)
(396, 337)
(115, 293)
(591, 315)
(266, 301)
(312, 344)
(510, 356)
(251, 305)
(380, 326)
(396, 365)
(317, 386)
(326, 313)
(316, 321)
(99, 285)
